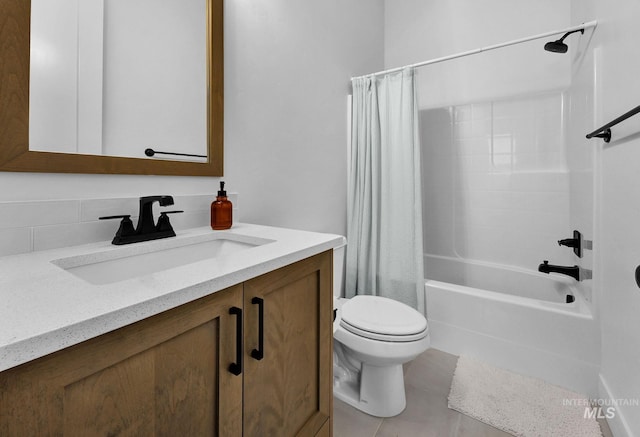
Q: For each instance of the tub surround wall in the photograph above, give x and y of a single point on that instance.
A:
(50, 224)
(580, 117)
(495, 182)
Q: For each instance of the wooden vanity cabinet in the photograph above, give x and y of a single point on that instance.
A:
(169, 375)
(288, 391)
(165, 375)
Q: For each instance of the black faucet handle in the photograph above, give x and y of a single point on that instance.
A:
(111, 217)
(164, 225)
(126, 228)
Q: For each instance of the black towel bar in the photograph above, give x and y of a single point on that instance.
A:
(604, 132)
(151, 152)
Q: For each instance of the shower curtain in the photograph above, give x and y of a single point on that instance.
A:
(384, 211)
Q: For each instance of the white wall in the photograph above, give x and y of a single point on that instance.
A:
(416, 30)
(287, 70)
(614, 77)
(288, 66)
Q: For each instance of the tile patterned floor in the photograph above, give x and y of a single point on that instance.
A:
(427, 383)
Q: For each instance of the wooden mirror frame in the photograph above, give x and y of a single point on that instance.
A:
(15, 29)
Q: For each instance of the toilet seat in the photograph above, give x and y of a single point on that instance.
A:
(380, 318)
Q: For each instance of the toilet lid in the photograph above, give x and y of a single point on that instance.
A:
(383, 318)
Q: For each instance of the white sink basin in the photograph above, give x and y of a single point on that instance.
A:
(141, 259)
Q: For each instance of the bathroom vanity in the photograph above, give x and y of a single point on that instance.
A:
(235, 344)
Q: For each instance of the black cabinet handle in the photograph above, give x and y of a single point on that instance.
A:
(236, 368)
(258, 354)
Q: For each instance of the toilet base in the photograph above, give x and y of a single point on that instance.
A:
(380, 392)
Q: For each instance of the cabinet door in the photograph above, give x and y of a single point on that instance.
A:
(160, 376)
(288, 392)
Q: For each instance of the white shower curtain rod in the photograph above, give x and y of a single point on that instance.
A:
(484, 49)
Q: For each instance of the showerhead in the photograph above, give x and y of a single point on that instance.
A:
(556, 47)
(559, 46)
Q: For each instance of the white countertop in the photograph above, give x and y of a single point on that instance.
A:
(45, 308)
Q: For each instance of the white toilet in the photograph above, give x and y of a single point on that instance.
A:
(373, 337)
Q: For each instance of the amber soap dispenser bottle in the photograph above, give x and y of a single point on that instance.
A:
(221, 211)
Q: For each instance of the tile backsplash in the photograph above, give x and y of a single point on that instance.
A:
(50, 224)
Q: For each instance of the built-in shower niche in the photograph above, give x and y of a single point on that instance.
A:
(495, 180)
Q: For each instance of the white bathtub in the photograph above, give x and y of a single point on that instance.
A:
(513, 318)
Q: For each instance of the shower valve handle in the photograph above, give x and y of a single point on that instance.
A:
(569, 242)
(575, 243)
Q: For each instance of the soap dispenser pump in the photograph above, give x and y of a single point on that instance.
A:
(221, 210)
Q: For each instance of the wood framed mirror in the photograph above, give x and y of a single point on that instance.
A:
(15, 156)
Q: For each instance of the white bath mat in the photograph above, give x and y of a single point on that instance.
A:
(517, 404)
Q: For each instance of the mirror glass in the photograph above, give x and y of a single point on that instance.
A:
(117, 77)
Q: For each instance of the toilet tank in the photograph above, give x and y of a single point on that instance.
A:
(339, 260)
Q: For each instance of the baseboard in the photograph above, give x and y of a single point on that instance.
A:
(618, 425)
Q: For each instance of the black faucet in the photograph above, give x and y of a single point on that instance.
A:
(574, 271)
(146, 229)
(146, 223)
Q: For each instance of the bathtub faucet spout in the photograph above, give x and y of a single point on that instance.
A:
(573, 271)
